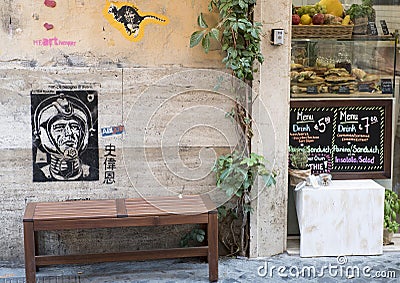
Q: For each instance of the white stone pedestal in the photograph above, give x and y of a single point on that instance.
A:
(344, 218)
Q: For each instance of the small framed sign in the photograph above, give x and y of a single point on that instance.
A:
(364, 88)
(312, 89)
(344, 89)
(372, 28)
(385, 29)
(387, 86)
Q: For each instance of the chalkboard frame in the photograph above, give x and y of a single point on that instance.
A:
(387, 136)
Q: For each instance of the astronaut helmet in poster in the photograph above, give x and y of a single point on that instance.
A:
(63, 126)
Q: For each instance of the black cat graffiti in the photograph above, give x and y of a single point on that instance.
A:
(130, 18)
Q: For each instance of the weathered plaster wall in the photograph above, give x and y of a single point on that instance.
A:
(171, 100)
(93, 40)
(149, 87)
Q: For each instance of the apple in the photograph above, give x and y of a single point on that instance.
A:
(295, 19)
(318, 19)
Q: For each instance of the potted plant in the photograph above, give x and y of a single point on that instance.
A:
(298, 169)
(391, 210)
(360, 14)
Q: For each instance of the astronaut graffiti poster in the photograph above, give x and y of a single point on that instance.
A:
(64, 135)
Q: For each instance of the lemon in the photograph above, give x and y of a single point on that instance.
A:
(305, 19)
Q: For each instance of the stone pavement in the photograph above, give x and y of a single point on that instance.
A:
(279, 268)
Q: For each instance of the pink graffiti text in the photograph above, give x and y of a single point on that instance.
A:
(54, 41)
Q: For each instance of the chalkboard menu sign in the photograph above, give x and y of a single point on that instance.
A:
(347, 138)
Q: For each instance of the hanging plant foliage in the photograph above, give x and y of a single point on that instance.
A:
(237, 33)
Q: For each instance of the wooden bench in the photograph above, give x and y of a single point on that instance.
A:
(152, 211)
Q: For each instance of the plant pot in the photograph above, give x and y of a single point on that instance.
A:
(298, 175)
(360, 25)
(387, 237)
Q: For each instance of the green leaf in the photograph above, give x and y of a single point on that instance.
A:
(239, 193)
(222, 211)
(183, 243)
(230, 191)
(242, 171)
(225, 173)
(235, 27)
(199, 238)
(196, 37)
(201, 22)
(210, 6)
(269, 180)
(242, 26)
(254, 33)
(206, 43)
(214, 33)
(242, 4)
(234, 54)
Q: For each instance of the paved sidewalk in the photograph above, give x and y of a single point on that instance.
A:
(280, 268)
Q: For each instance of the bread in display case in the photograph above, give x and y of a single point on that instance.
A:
(339, 68)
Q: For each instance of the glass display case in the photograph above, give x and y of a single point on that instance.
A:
(331, 68)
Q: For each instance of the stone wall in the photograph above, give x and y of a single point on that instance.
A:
(147, 86)
(157, 111)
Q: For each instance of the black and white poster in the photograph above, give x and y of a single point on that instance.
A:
(64, 135)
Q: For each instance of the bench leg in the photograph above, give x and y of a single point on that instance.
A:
(29, 246)
(212, 236)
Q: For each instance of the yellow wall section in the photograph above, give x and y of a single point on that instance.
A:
(120, 26)
(82, 31)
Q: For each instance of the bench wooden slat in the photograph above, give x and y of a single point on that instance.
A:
(162, 208)
(84, 203)
(166, 205)
(138, 213)
(74, 208)
(76, 217)
(72, 214)
(60, 224)
(123, 256)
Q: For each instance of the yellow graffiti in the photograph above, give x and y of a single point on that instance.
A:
(129, 20)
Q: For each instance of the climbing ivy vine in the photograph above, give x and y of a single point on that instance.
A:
(239, 37)
(237, 33)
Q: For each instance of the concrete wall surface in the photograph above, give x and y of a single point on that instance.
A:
(173, 132)
(94, 106)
